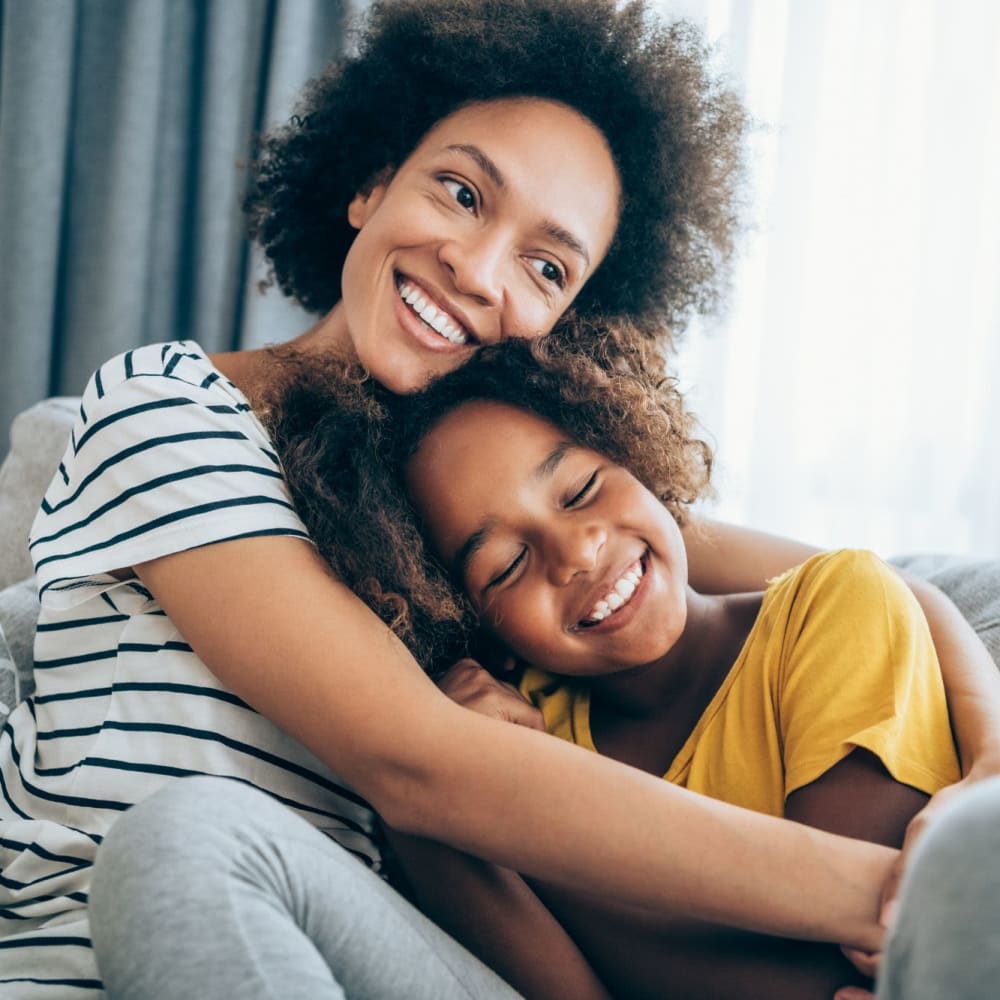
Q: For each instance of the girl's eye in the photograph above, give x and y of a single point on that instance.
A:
(583, 493)
(549, 271)
(462, 193)
(508, 572)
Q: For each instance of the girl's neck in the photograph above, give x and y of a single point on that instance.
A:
(714, 633)
(643, 717)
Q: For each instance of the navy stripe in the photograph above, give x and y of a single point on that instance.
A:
(164, 351)
(128, 365)
(16, 845)
(83, 984)
(62, 873)
(98, 384)
(132, 411)
(73, 800)
(81, 623)
(172, 364)
(46, 942)
(209, 379)
(67, 661)
(153, 647)
(246, 748)
(65, 583)
(135, 450)
(77, 897)
(106, 597)
(95, 837)
(173, 518)
(152, 484)
(58, 734)
(72, 440)
(162, 688)
(65, 477)
(83, 413)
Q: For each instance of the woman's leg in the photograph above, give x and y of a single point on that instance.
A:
(946, 941)
(210, 889)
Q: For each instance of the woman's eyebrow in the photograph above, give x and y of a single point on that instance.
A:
(552, 229)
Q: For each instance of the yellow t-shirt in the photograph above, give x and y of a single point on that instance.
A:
(840, 656)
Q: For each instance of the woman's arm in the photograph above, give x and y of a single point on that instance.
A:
(496, 915)
(268, 618)
(724, 558)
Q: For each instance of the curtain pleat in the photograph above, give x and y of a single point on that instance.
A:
(125, 127)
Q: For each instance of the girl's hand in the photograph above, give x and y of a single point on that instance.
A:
(475, 688)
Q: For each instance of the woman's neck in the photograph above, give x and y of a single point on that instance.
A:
(260, 373)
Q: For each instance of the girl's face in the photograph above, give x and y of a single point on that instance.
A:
(487, 231)
(569, 560)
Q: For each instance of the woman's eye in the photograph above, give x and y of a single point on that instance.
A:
(462, 193)
(583, 493)
(548, 271)
(508, 572)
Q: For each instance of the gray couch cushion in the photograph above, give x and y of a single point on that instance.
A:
(38, 439)
(972, 584)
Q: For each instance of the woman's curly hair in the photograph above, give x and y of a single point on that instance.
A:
(345, 442)
(675, 131)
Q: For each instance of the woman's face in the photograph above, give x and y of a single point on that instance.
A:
(569, 560)
(487, 231)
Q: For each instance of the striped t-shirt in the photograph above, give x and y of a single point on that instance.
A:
(166, 455)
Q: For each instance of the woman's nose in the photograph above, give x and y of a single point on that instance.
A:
(573, 549)
(476, 263)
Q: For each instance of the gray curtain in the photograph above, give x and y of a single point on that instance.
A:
(124, 125)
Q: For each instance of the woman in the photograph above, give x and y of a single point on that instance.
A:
(187, 615)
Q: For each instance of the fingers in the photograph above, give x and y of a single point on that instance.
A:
(866, 962)
(853, 993)
(472, 687)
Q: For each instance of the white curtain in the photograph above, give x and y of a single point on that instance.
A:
(850, 387)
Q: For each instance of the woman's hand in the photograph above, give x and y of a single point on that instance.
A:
(867, 962)
(473, 687)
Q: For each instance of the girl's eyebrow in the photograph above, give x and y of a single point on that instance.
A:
(552, 229)
(544, 470)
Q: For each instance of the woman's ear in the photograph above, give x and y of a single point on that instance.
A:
(363, 205)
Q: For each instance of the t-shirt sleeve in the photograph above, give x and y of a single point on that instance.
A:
(154, 466)
(858, 669)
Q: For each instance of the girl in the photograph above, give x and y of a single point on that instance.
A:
(475, 171)
(820, 700)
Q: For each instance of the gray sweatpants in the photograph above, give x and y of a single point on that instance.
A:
(946, 942)
(211, 890)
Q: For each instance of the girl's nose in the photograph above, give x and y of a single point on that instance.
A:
(574, 548)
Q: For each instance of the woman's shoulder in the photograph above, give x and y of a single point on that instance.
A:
(173, 369)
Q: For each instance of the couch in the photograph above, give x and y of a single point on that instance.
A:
(38, 439)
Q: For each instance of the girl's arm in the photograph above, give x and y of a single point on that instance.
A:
(268, 618)
(494, 913)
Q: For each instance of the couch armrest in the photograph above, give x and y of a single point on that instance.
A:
(38, 439)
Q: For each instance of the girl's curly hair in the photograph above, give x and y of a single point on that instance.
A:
(344, 444)
(674, 129)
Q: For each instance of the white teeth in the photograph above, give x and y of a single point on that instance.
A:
(435, 318)
(619, 594)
